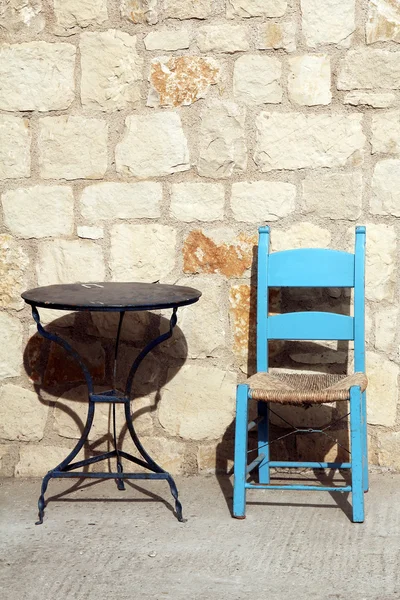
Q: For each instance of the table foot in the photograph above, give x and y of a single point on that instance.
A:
(120, 483)
(41, 501)
(174, 492)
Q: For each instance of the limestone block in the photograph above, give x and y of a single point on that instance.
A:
(255, 8)
(213, 458)
(300, 235)
(388, 449)
(22, 414)
(383, 22)
(20, 16)
(108, 201)
(140, 11)
(15, 156)
(256, 80)
(273, 36)
(382, 391)
(69, 261)
(14, 263)
(309, 80)
(365, 68)
(11, 346)
(386, 133)
(36, 461)
(385, 198)
(61, 368)
(330, 449)
(168, 453)
(74, 15)
(385, 328)
(55, 319)
(198, 402)
(222, 140)
(260, 201)
(134, 329)
(333, 195)
(72, 147)
(297, 141)
(142, 252)
(220, 251)
(24, 209)
(222, 38)
(181, 80)
(7, 459)
(201, 325)
(153, 145)
(329, 22)
(90, 233)
(323, 357)
(111, 70)
(188, 9)
(37, 76)
(374, 99)
(167, 39)
(197, 201)
(381, 262)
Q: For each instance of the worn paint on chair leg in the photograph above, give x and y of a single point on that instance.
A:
(263, 442)
(365, 442)
(357, 445)
(239, 491)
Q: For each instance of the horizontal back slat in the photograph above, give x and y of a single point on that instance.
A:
(311, 267)
(310, 326)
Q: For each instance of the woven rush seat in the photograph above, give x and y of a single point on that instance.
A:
(288, 388)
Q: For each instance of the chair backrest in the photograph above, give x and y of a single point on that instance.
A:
(310, 267)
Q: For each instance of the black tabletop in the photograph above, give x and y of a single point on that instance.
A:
(111, 296)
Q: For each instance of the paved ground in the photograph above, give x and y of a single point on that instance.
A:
(97, 543)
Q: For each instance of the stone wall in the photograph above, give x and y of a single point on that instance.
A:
(147, 140)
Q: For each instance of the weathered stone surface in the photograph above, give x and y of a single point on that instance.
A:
(201, 325)
(300, 235)
(330, 449)
(136, 252)
(105, 325)
(222, 140)
(330, 22)
(74, 15)
(386, 133)
(388, 449)
(187, 9)
(381, 262)
(222, 38)
(255, 8)
(296, 141)
(218, 251)
(324, 356)
(259, 201)
(197, 201)
(167, 39)
(37, 76)
(14, 264)
(69, 261)
(333, 195)
(8, 456)
(24, 209)
(385, 198)
(256, 79)
(169, 453)
(198, 402)
(366, 68)
(273, 36)
(153, 145)
(90, 233)
(56, 319)
(181, 80)
(36, 461)
(382, 390)
(11, 346)
(374, 99)
(383, 22)
(213, 458)
(17, 16)
(71, 411)
(309, 80)
(111, 70)
(22, 415)
(61, 368)
(107, 201)
(140, 11)
(15, 158)
(386, 328)
(72, 147)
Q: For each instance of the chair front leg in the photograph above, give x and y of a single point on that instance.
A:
(263, 442)
(357, 449)
(240, 466)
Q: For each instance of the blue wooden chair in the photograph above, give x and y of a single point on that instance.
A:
(305, 268)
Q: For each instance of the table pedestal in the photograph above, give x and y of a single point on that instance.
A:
(67, 468)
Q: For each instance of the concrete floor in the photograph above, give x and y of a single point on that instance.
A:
(97, 543)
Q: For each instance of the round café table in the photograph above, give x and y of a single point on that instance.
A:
(120, 298)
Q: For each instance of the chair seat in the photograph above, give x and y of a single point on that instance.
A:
(302, 388)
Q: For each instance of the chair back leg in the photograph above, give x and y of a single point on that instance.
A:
(263, 442)
(357, 452)
(240, 467)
